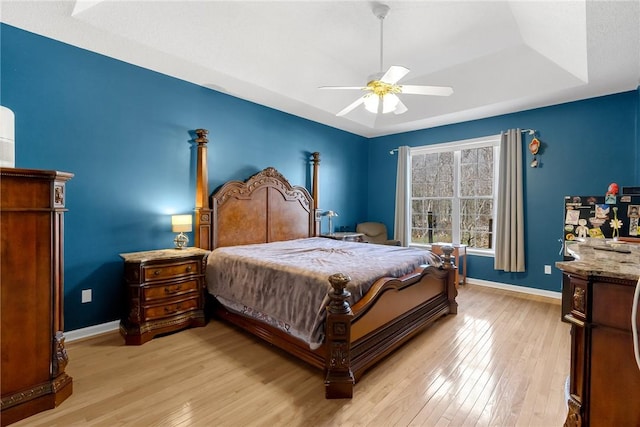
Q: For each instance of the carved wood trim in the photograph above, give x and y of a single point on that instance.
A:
(339, 379)
(574, 417)
(60, 359)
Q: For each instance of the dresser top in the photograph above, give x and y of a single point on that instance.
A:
(607, 258)
(36, 173)
(160, 254)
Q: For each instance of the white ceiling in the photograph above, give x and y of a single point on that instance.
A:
(499, 56)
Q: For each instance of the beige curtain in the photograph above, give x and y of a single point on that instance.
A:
(402, 223)
(510, 215)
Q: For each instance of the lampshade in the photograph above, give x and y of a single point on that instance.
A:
(371, 103)
(330, 214)
(389, 103)
(181, 223)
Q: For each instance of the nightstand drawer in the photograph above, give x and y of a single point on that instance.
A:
(170, 289)
(160, 272)
(167, 310)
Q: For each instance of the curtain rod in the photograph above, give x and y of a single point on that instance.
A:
(529, 131)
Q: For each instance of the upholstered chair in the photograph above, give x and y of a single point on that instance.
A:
(375, 232)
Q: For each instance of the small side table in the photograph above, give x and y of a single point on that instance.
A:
(348, 236)
(164, 292)
(460, 259)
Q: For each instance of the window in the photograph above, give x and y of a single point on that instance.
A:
(453, 192)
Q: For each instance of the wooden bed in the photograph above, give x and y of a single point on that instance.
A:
(266, 208)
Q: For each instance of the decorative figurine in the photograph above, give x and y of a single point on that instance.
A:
(615, 223)
(534, 147)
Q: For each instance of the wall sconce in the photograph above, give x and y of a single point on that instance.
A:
(330, 215)
(181, 224)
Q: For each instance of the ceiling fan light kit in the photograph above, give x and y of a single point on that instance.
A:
(382, 92)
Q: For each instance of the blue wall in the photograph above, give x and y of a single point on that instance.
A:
(586, 146)
(124, 132)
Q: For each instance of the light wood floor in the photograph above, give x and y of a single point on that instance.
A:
(502, 361)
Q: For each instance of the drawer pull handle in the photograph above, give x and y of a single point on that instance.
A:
(175, 289)
(189, 269)
(168, 310)
(156, 273)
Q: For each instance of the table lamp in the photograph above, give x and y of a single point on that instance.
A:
(181, 224)
(330, 215)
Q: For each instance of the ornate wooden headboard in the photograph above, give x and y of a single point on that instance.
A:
(265, 208)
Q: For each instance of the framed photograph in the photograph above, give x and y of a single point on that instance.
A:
(633, 211)
(573, 215)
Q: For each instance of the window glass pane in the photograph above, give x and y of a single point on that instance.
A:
(476, 222)
(483, 188)
(442, 221)
(469, 156)
(431, 220)
(434, 195)
(469, 176)
(419, 189)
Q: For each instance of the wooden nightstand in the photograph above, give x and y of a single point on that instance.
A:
(349, 236)
(460, 259)
(164, 292)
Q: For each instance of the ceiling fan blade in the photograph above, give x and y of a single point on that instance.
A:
(351, 106)
(426, 90)
(343, 87)
(400, 108)
(394, 74)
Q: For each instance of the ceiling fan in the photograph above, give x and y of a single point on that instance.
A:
(382, 90)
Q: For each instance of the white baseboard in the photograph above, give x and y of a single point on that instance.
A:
(515, 288)
(91, 331)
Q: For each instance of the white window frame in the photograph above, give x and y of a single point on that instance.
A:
(456, 147)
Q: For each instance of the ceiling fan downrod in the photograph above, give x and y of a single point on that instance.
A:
(381, 11)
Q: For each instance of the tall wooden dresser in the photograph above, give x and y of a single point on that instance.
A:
(604, 379)
(32, 206)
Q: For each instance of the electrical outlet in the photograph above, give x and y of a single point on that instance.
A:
(86, 295)
(547, 269)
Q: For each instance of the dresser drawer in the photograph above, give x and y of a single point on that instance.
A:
(171, 309)
(168, 271)
(612, 305)
(167, 290)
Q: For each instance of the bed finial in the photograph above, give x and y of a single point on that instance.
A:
(203, 213)
(339, 296)
(447, 257)
(202, 136)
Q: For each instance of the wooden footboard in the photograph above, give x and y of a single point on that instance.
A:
(392, 312)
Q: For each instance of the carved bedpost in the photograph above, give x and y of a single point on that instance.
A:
(203, 213)
(316, 194)
(339, 378)
(452, 290)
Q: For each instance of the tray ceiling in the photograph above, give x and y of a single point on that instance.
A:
(499, 56)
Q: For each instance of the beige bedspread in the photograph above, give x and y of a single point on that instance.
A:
(286, 283)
